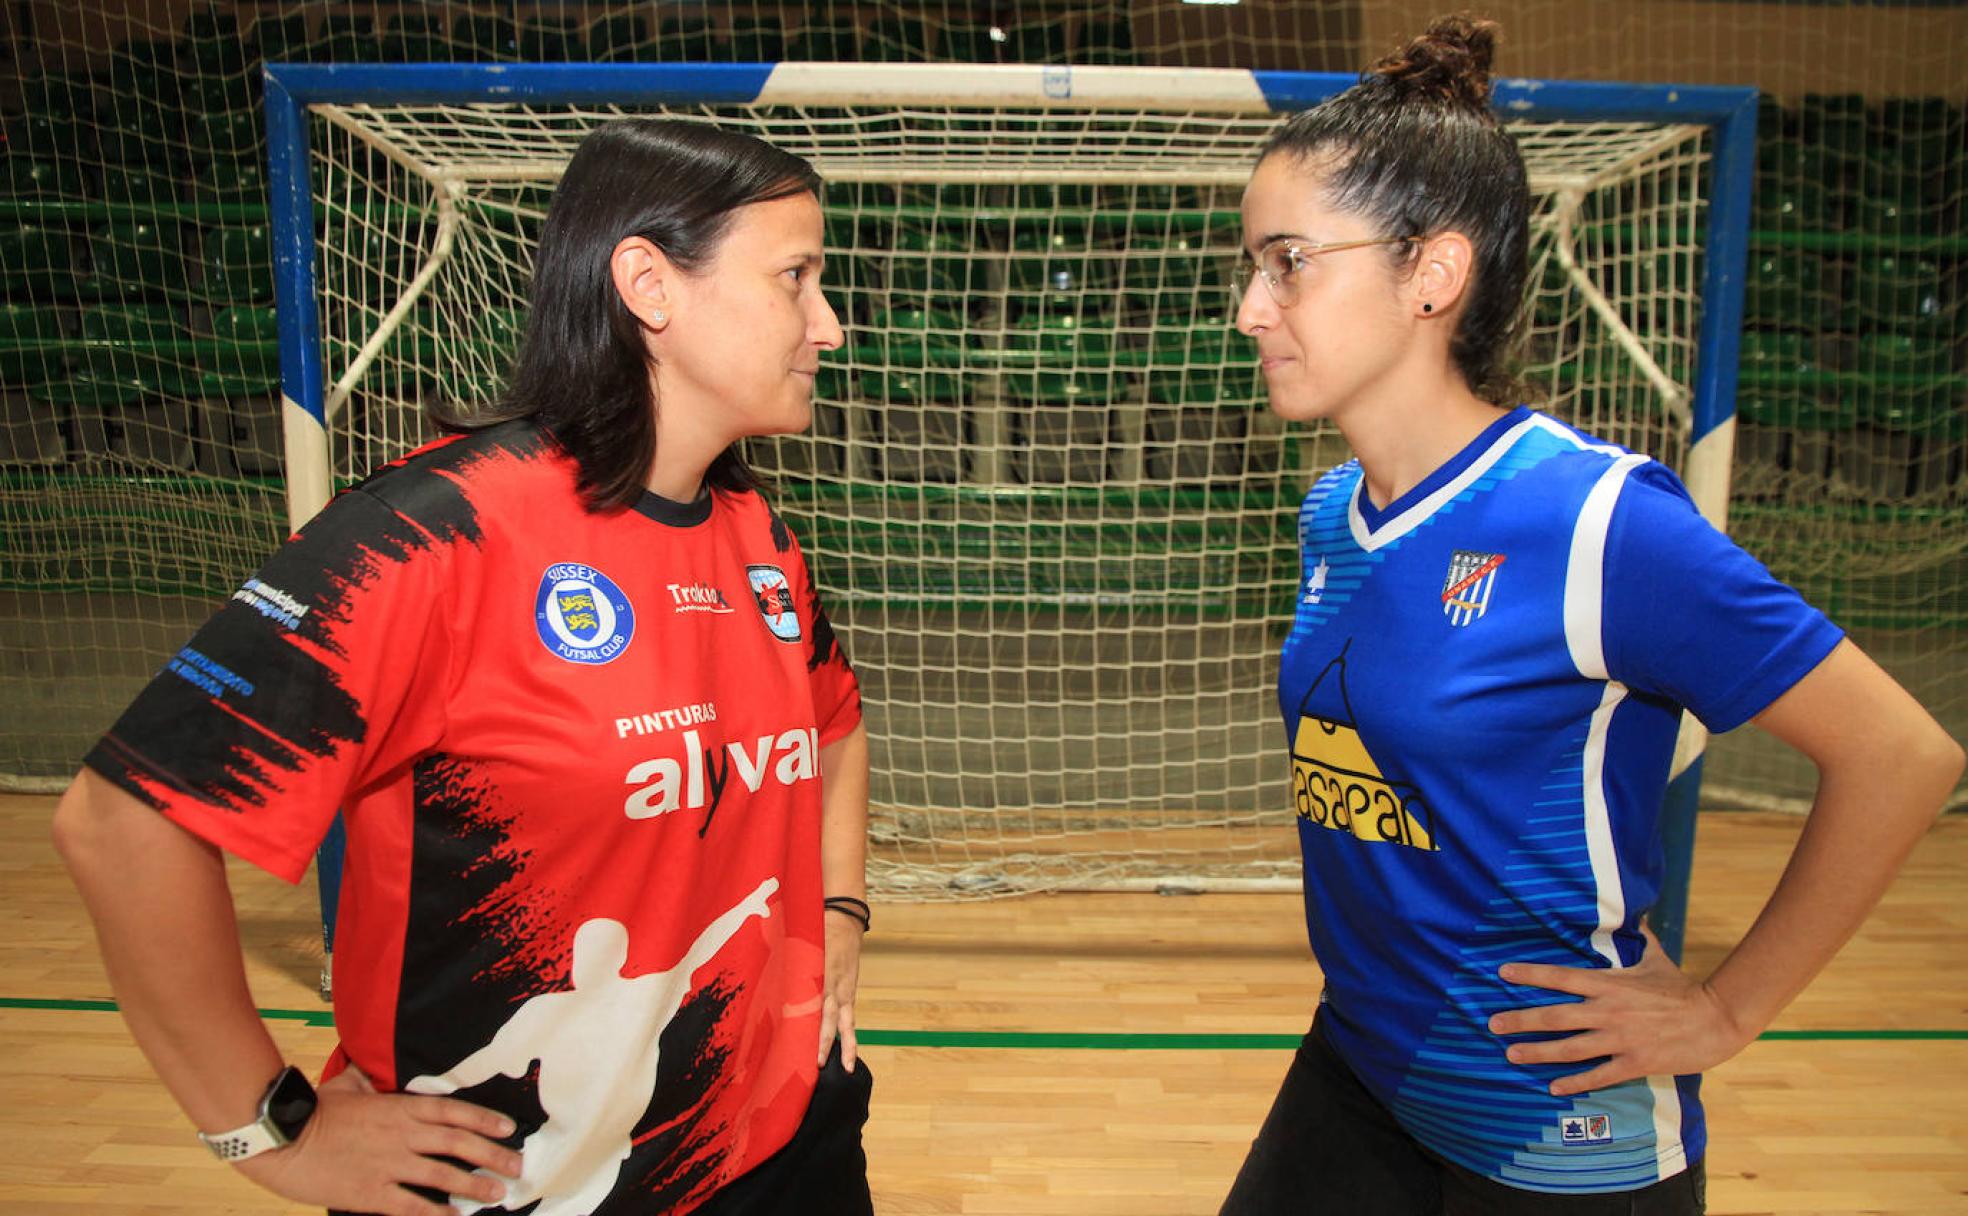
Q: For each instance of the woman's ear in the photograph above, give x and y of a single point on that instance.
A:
(1442, 273)
(643, 278)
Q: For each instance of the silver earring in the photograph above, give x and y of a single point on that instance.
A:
(658, 317)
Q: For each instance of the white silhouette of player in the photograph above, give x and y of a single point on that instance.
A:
(597, 1047)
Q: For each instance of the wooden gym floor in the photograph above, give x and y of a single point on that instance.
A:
(1064, 1055)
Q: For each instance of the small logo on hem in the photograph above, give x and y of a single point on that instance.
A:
(1585, 1129)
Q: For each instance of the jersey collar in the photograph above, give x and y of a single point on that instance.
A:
(1373, 529)
(673, 514)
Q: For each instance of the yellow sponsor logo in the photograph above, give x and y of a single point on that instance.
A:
(1337, 785)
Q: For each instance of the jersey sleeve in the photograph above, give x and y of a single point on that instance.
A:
(836, 691)
(320, 673)
(1690, 616)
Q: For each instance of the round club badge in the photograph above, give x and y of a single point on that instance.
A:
(581, 615)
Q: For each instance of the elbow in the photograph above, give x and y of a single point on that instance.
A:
(1949, 762)
(1932, 762)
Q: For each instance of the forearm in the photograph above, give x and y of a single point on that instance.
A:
(1884, 768)
(844, 815)
(1861, 828)
(163, 915)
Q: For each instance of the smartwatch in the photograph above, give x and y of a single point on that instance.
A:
(284, 1111)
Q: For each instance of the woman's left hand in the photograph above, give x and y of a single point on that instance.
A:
(1650, 1019)
(843, 975)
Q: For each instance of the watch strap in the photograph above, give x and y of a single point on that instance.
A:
(255, 1138)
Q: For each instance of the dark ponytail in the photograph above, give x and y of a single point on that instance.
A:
(1414, 148)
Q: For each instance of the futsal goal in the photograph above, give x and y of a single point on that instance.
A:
(1042, 495)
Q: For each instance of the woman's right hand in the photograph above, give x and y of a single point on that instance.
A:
(362, 1149)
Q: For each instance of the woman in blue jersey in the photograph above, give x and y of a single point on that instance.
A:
(1500, 623)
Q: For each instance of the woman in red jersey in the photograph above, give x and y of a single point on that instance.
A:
(598, 750)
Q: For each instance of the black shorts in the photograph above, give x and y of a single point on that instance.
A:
(822, 1170)
(1329, 1146)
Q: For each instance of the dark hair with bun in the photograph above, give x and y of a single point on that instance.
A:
(1414, 148)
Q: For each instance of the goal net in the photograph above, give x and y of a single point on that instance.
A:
(1042, 495)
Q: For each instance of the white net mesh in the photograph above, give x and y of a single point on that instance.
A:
(1042, 495)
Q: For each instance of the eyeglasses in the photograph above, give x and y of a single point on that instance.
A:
(1279, 262)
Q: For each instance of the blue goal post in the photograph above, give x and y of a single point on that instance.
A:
(1698, 399)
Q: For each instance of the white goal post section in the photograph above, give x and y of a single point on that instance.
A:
(1043, 495)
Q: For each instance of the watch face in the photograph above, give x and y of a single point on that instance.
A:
(289, 1103)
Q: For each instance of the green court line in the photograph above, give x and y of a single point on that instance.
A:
(1034, 1040)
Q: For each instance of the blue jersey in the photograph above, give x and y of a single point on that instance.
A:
(1481, 692)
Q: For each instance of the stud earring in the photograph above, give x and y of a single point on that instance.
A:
(1428, 308)
(658, 317)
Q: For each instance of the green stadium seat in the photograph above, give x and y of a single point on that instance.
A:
(211, 41)
(350, 37)
(233, 134)
(956, 43)
(140, 260)
(1769, 352)
(1898, 196)
(616, 39)
(45, 179)
(138, 187)
(1063, 338)
(820, 43)
(1901, 292)
(238, 266)
(1107, 42)
(1791, 204)
(250, 335)
(480, 37)
(895, 40)
(551, 40)
(33, 346)
(134, 345)
(70, 95)
(756, 41)
(1836, 122)
(277, 39)
(1925, 130)
(1231, 384)
(1786, 287)
(141, 68)
(235, 182)
(928, 262)
(912, 337)
(41, 136)
(684, 40)
(1209, 343)
(1917, 391)
(38, 262)
(411, 37)
(1038, 42)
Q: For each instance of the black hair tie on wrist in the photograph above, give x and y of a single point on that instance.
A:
(850, 907)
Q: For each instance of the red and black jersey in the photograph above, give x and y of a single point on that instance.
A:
(578, 755)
